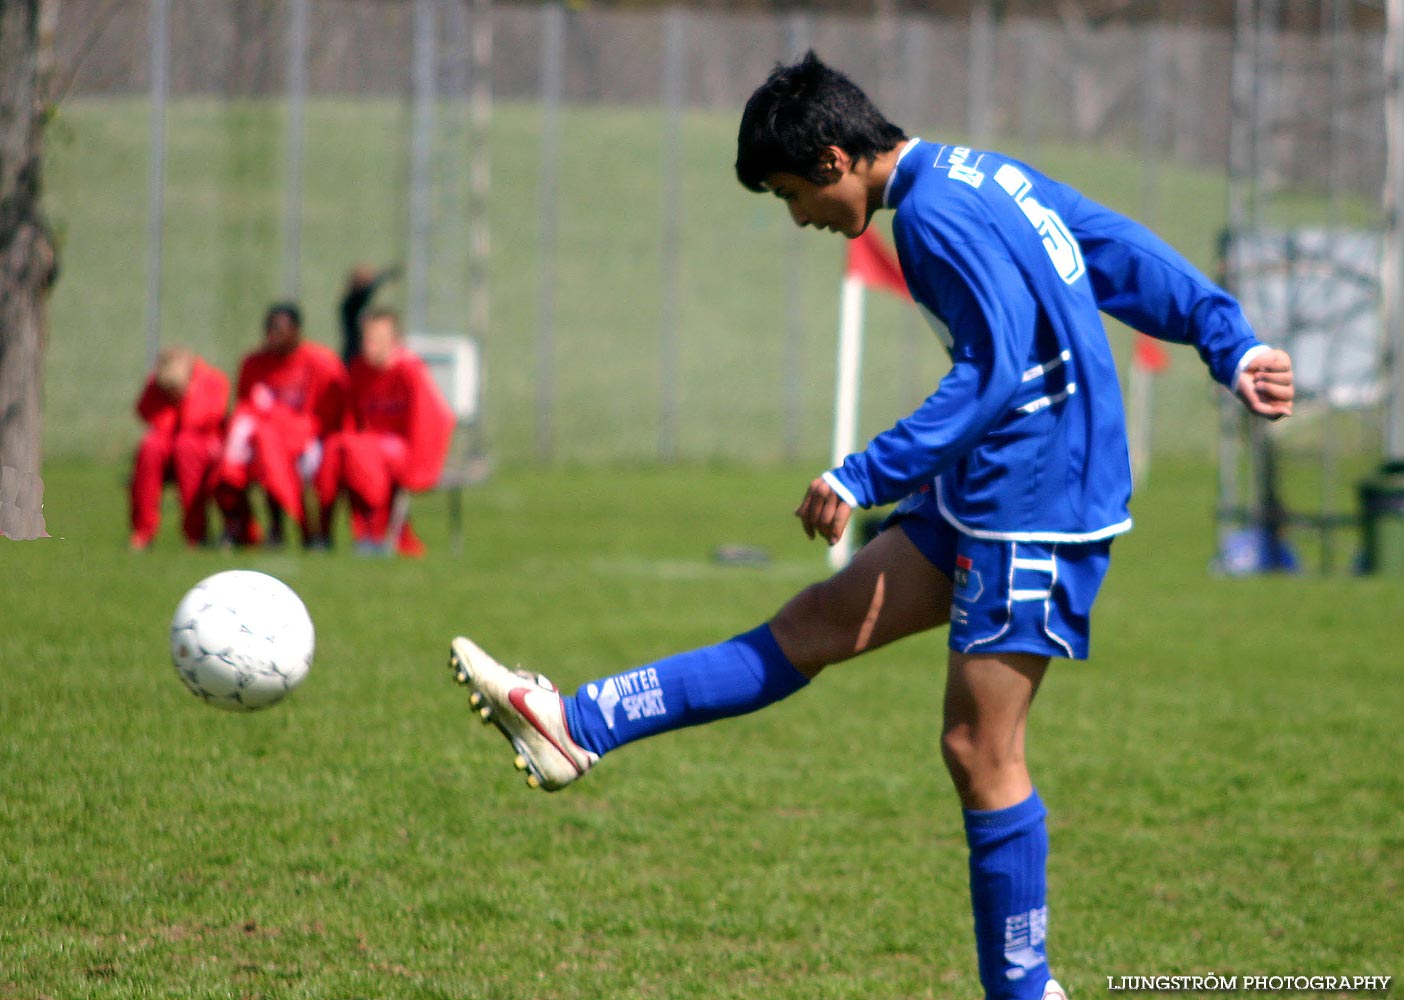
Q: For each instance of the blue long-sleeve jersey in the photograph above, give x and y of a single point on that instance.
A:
(1025, 437)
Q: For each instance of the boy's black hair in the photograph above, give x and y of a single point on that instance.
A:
(800, 110)
(288, 309)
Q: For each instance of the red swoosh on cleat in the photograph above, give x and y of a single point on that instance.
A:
(517, 696)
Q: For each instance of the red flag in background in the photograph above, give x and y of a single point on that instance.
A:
(1150, 356)
(872, 263)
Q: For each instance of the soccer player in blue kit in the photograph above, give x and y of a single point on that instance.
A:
(1013, 478)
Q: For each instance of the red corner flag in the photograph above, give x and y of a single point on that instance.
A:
(1150, 356)
(872, 263)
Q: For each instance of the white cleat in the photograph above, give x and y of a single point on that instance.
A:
(1052, 991)
(527, 708)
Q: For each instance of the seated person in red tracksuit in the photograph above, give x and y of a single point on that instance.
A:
(183, 404)
(291, 395)
(397, 436)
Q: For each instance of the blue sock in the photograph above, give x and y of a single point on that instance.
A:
(1008, 893)
(740, 675)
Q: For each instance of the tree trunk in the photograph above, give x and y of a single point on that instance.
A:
(27, 261)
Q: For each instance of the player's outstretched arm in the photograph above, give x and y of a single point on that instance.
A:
(823, 512)
(1266, 386)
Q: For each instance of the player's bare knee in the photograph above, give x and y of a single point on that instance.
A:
(813, 630)
(959, 753)
(971, 760)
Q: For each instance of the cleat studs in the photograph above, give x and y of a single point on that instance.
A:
(485, 713)
(476, 699)
(533, 781)
(520, 763)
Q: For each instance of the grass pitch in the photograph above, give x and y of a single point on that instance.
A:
(1222, 776)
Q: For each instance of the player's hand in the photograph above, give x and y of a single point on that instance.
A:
(823, 512)
(261, 397)
(1266, 385)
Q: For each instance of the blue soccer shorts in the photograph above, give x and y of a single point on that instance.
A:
(1009, 597)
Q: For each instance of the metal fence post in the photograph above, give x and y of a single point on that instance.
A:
(674, 50)
(981, 73)
(424, 77)
(799, 30)
(480, 172)
(156, 175)
(1392, 262)
(295, 142)
(547, 215)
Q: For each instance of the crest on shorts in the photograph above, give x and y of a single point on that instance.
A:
(968, 586)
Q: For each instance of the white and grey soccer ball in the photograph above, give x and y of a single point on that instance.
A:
(241, 640)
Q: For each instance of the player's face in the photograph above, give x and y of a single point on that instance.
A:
(174, 369)
(280, 333)
(379, 338)
(840, 206)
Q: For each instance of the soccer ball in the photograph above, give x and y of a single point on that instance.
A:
(241, 640)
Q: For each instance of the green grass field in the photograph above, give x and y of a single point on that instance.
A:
(1223, 775)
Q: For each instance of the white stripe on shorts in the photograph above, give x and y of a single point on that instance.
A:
(1047, 565)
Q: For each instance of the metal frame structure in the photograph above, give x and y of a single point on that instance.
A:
(1270, 139)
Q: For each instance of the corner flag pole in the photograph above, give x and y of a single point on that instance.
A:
(846, 380)
(869, 263)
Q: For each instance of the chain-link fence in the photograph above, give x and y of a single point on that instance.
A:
(634, 302)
